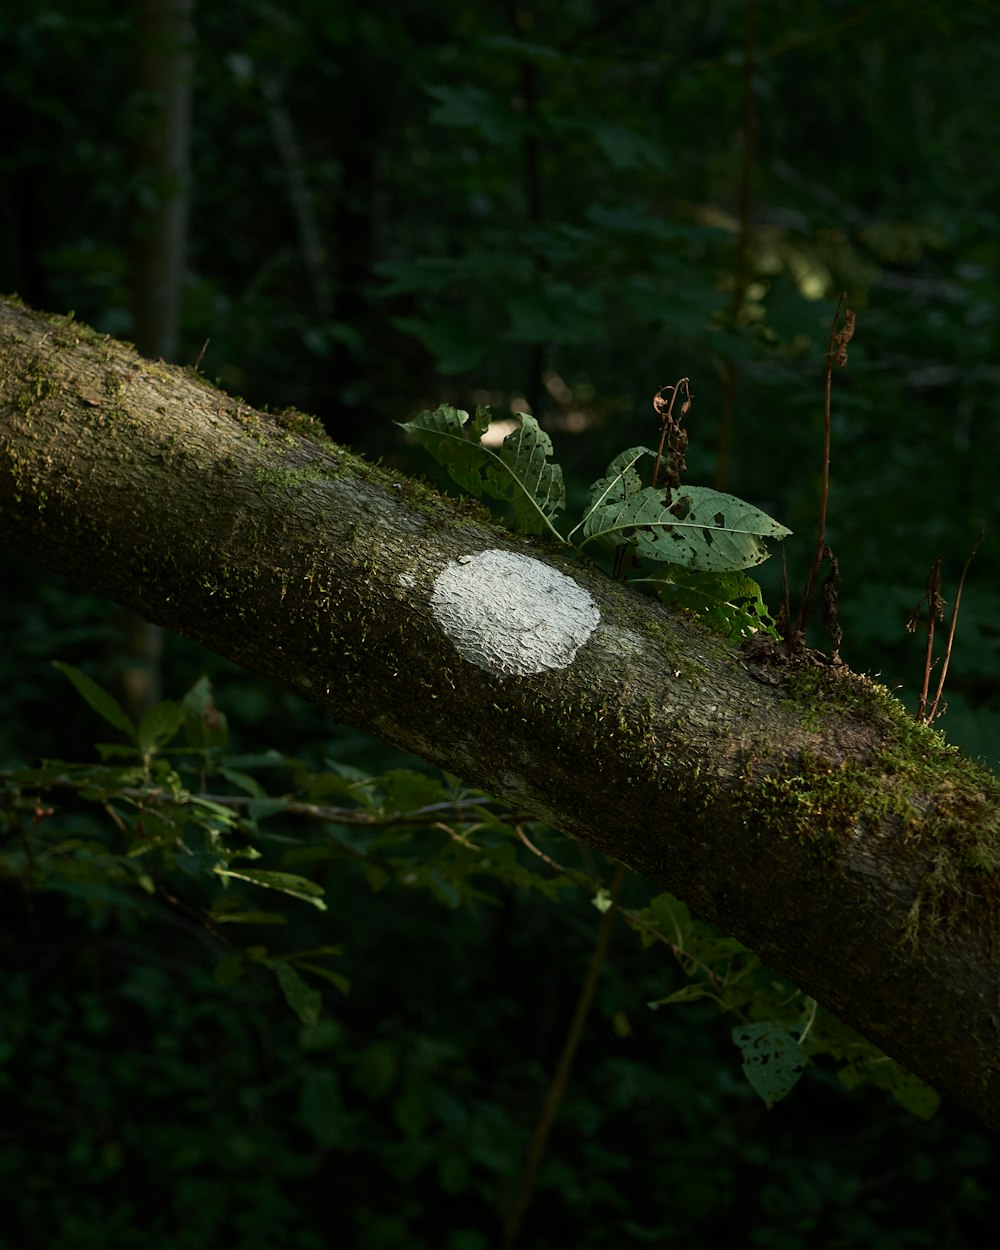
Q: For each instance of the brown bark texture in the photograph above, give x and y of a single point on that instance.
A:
(796, 805)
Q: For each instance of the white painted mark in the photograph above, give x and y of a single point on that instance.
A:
(512, 614)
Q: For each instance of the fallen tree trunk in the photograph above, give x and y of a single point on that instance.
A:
(796, 805)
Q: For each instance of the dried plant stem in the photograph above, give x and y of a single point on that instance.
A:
(836, 353)
(933, 600)
(924, 715)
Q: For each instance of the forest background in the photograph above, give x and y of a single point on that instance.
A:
(556, 209)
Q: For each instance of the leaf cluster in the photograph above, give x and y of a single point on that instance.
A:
(174, 824)
(698, 540)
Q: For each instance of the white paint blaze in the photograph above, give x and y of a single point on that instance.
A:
(512, 614)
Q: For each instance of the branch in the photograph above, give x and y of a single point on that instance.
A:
(795, 804)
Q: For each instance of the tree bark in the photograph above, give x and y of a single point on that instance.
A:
(798, 806)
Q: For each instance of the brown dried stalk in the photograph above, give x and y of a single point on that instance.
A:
(935, 612)
(836, 354)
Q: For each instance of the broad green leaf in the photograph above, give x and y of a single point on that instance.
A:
(730, 602)
(306, 1003)
(103, 703)
(694, 526)
(159, 725)
(772, 1058)
(519, 473)
(286, 882)
(621, 483)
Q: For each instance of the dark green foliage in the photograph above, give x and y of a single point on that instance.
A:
(149, 1102)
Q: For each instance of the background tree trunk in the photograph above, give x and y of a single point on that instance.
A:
(798, 807)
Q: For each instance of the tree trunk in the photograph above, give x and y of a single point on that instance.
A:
(798, 806)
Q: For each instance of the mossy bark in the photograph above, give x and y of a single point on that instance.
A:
(795, 805)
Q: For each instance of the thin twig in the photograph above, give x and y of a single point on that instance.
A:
(312, 811)
(932, 597)
(951, 634)
(836, 354)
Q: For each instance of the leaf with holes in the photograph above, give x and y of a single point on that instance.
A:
(694, 526)
(519, 472)
(729, 602)
(621, 484)
(772, 1058)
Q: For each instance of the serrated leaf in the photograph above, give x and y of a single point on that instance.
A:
(695, 527)
(730, 602)
(103, 703)
(621, 482)
(286, 882)
(159, 725)
(772, 1058)
(519, 473)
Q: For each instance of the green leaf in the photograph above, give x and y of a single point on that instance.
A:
(244, 781)
(519, 473)
(335, 978)
(305, 1002)
(286, 882)
(729, 602)
(772, 1059)
(621, 483)
(694, 526)
(602, 900)
(407, 790)
(103, 703)
(159, 725)
(689, 993)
